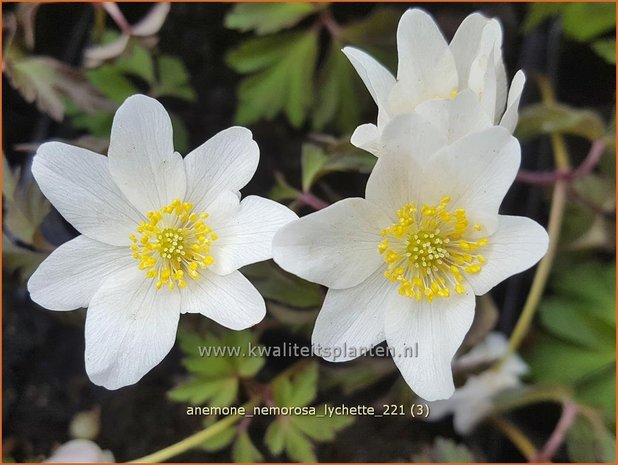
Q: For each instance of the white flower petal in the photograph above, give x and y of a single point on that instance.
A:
(351, 320)
(511, 115)
(247, 236)
(409, 141)
(130, 328)
(336, 246)
(231, 300)
(475, 398)
(70, 276)
(426, 66)
(465, 45)
(367, 137)
(141, 155)
(439, 328)
(78, 183)
(517, 244)
(483, 79)
(226, 161)
(378, 80)
(501, 85)
(80, 451)
(458, 117)
(476, 172)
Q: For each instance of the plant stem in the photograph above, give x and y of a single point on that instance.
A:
(559, 198)
(195, 439)
(312, 201)
(198, 438)
(569, 412)
(516, 436)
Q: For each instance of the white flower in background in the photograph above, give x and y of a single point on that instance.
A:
(161, 236)
(461, 87)
(473, 401)
(80, 451)
(404, 263)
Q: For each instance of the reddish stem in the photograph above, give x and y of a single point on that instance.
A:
(551, 177)
(312, 201)
(114, 12)
(569, 412)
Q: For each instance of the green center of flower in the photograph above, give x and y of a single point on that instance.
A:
(427, 252)
(173, 243)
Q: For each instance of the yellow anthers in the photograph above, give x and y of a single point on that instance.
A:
(428, 250)
(453, 94)
(174, 242)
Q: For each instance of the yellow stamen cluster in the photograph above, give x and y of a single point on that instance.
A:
(173, 243)
(427, 252)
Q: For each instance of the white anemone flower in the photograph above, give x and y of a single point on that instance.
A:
(404, 263)
(461, 86)
(160, 236)
(80, 451)
(474, 400)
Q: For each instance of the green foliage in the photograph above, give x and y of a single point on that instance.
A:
(244, 451)
(590, 442)
(214, 377)
(284, 73)
(582, 22)
(165, 76)
(280, 286)
(24, 210)
(282, 68)
(295, 435)
(579, 346)
(446, 451)
(50, 83)
(540, 118)
(173, 79)
(317, 162)
(338, 92)
(266, 18)
(606, 49)
(24, 204)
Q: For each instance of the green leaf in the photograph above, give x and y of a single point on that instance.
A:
(211, 367)
(283, 79)
(588, 443)
(539, 12)
(25, 206)
(275, 437)
(220, 440)
(312, 161)
(250, 366)
(217, 392)
(553, 360)
(173, 79)
(341, 97)
(282, 191)
(276, 284)
(584, 21)
(49, 83)
(558, 118)
(110, 81)
(282, 392)
(266, 18)
(298, 447)
(304, 386)
(606, 49)
(180, 134)
(321, 428)
(244, 451)
(137, 61)
(19, 259)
